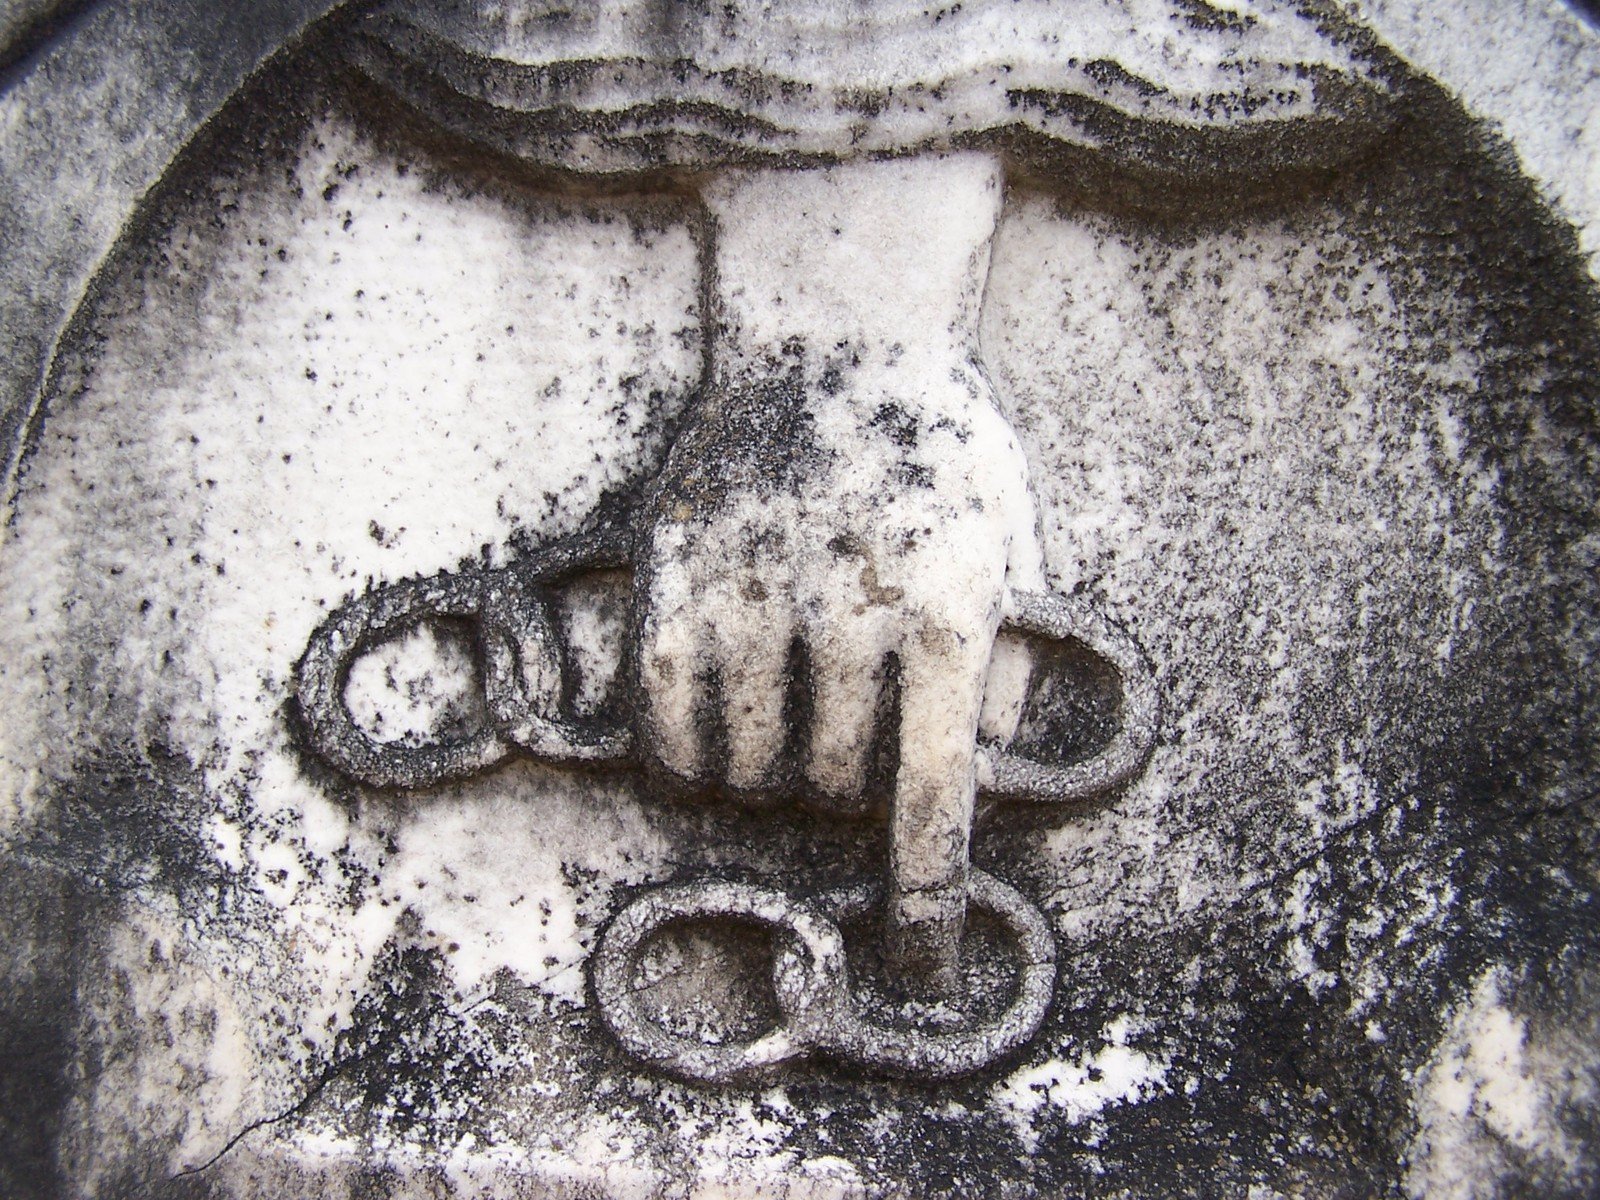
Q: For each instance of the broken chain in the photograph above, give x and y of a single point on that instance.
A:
(519, 654)
(820, 1015)
(521, 657)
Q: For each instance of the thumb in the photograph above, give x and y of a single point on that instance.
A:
(1011, 667)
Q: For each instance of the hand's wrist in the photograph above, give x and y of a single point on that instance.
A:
(854, 266)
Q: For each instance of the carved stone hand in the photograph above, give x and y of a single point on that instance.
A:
(847, 495)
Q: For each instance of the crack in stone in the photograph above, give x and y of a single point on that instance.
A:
(297, 1109)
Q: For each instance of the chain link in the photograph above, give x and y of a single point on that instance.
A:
(519, 654)
(820, 1013)
(521, 657)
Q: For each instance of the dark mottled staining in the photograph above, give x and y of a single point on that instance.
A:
(756, 439)
(899, 425)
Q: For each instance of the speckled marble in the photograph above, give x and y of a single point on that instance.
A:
(1323, 439)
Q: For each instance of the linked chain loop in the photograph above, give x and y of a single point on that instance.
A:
(520, 657)
(811, 983)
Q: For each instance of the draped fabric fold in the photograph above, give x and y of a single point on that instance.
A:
(615, 86)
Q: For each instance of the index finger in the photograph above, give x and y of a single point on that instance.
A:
(942, 674)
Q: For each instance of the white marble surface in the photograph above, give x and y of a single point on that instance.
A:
(1277, 445)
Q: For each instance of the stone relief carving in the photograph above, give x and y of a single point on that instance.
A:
(845, 516)
(624, 599)
(846, 511)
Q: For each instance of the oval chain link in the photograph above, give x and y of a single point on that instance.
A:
(811, 983)
(519, 654)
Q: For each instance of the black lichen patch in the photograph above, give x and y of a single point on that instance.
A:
(123, 829)
(900, 426)
(753, 440)
(1205, 16)
(417, 1060)
(44, 913)
(1073, 706)
(134, 822)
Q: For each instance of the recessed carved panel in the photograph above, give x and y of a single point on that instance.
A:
(825, 599)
